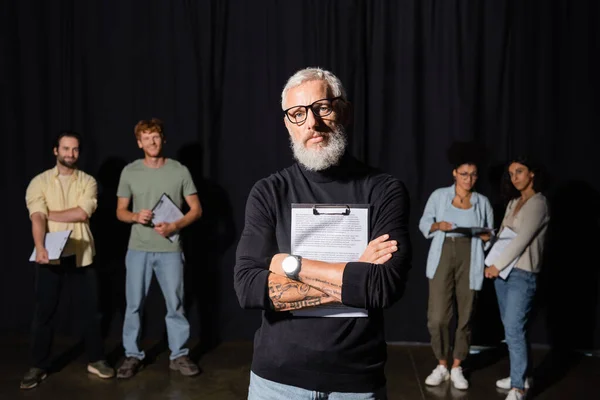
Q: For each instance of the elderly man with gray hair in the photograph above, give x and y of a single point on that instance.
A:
(299, 357)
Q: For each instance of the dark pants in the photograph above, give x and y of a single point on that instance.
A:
(450, 283)
(84, 289)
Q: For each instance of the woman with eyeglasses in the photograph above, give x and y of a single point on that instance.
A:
(454, 267)
(527, 214)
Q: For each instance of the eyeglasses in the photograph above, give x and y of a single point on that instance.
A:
(320, 108)
(466, 175)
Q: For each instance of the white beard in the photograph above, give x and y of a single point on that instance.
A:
(325, 157)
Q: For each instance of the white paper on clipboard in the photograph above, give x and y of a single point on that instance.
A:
(55, 243)
(166, 210)
(330, 233)
(504, 238)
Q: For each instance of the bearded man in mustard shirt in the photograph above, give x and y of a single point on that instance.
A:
(58, 199)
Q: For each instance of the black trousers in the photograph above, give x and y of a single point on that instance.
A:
(84, 290)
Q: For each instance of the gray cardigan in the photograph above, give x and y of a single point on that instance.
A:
(530, 225)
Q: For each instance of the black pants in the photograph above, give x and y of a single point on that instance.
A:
(84, 289)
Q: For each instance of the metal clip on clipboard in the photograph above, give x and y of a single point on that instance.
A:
(327, 206)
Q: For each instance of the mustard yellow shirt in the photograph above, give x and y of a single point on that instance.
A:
(45, 193)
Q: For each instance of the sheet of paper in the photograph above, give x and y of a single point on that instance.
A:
(54, 242)
(503, 240)
(166, 211)
(330, 234)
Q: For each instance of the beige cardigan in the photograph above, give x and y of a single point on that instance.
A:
(530, 225)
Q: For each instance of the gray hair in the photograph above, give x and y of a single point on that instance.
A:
(314, 74)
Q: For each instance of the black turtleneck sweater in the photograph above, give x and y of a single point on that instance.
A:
(323, 354)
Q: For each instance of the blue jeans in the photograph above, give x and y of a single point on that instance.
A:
(168, 268)
(263, 389)
(515, 297)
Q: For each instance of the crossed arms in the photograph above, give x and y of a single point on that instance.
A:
(375, 281)
(40, 214)
(319, 282)
(39, 227)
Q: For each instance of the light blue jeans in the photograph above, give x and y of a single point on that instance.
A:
(263, 389)
(515, 297)
(168, 268)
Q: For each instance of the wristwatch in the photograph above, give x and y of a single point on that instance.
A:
(291, 266)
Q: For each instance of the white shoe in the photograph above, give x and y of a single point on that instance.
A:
(438, 375)
(458, 379)
(505, 383)
(514, 394)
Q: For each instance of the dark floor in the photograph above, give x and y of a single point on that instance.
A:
(226, 368)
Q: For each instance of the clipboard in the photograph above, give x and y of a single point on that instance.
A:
(55, 243)
(330, 233)
(471, 231)
(174, 215)
(502, 241)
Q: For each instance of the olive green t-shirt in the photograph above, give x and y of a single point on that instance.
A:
(146, 185)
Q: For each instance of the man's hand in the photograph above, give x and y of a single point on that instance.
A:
(379, 250)
(41, 255)
(165, 229)
(492, 272)
(143, 217)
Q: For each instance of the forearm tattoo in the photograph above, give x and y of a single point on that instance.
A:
(327, 287)
(277, 291)
(296, 305)
(288, 294)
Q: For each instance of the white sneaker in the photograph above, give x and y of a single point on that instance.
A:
(438, 375)
(458, 379)
(514, 394)
(505, 383)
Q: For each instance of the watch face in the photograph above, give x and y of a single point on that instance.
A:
(289, 264)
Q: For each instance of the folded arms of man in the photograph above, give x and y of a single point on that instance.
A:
(375, 281)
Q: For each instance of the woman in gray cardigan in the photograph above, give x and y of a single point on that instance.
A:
(454, 267)
(527, 215)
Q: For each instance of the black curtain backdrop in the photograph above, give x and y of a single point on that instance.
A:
(513, 76)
